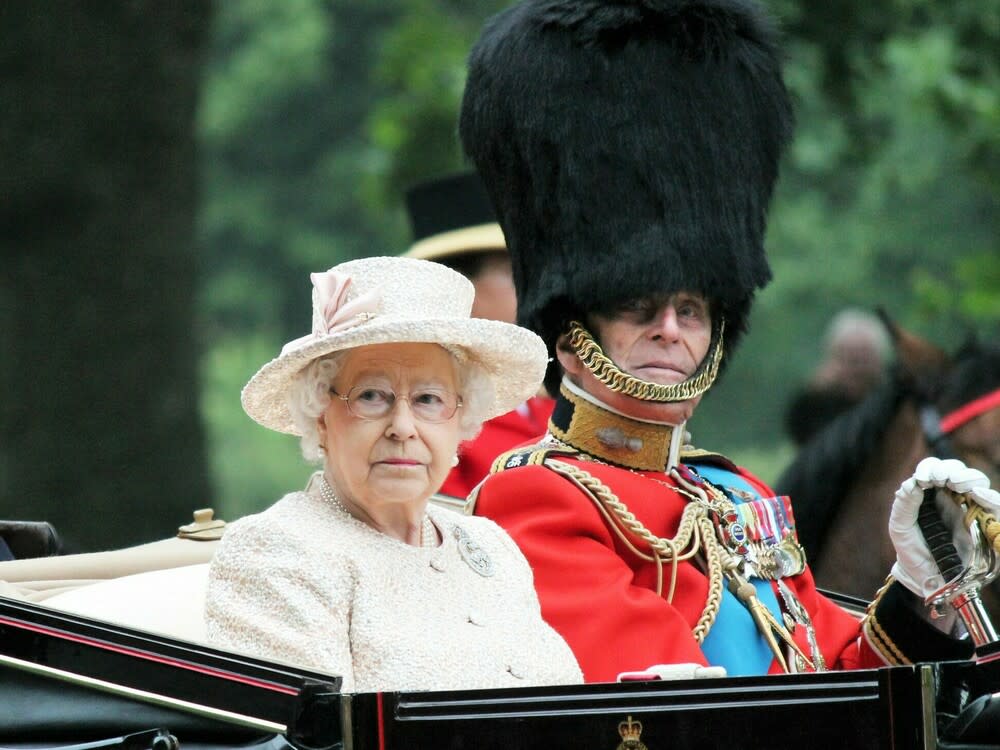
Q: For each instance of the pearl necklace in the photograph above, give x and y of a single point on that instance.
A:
(428, 532)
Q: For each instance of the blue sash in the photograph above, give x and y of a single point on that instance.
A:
(734, 641)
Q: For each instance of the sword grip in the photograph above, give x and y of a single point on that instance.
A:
(938, 538)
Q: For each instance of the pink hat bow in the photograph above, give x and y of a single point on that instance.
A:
(332, 312)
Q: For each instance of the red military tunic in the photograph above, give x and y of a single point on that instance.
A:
(498, 435)
(601, 596)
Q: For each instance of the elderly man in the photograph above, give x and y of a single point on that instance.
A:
(631, 150)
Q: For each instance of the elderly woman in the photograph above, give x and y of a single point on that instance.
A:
(358, 575)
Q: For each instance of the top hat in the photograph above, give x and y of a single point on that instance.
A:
(450, 216)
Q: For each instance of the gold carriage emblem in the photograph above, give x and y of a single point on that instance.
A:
(630, 731)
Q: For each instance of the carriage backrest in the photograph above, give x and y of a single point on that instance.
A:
(159, 586)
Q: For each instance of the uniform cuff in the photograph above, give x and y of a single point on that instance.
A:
(895, 629)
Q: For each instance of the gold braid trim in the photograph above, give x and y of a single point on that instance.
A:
(877, 637)
(695, 532)
(713, 555)
(606, 371)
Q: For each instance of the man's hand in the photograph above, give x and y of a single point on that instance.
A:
(915, 567)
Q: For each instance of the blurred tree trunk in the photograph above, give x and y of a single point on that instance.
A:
(101, 432)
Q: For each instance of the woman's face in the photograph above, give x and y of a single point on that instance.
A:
(398, 458)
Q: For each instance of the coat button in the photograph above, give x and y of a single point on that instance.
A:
(438, 564)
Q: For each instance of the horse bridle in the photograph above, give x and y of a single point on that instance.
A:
(937, 429)
(937, 439)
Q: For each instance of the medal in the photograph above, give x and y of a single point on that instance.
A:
(759, 530)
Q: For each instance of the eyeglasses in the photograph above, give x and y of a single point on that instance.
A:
(427, 404)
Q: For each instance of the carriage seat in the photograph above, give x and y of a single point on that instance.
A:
(159, 586)
(168, 602)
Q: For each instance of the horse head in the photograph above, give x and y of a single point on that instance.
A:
(957, 396)
(841, 483)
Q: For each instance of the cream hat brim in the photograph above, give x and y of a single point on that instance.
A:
(513, 357)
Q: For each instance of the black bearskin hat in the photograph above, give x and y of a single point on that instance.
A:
(630, 149)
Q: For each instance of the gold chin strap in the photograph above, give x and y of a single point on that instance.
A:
(595, 360)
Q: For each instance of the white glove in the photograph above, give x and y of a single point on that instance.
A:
(915, 567)
(685, 671)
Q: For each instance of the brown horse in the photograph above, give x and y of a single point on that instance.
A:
(842, 482)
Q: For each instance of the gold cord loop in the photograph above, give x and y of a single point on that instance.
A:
(988, 524)
(695, 533)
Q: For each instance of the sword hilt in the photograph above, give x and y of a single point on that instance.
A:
(962, 581)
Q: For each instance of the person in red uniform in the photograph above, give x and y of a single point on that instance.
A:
(631, 150)
(453, 223)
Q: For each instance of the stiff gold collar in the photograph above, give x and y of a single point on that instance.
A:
(582, 422)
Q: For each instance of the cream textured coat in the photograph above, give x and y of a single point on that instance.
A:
(306, 583)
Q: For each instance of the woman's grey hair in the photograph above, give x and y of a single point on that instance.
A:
(309, 395)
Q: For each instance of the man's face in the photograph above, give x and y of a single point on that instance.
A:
(495, 296)
(660, 340)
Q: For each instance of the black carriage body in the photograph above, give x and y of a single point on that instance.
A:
(66, 680)
(56, 672)
(844, 710)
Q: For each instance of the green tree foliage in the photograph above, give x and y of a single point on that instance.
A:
(287, 89)
(916, 84)
(884, 200)
(422, 74)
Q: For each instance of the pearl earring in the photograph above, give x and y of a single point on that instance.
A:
(454, 460)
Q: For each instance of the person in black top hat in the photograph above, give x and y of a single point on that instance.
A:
(454, 224)
(631, 150)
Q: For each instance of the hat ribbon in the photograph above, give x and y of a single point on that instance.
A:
(332, 312)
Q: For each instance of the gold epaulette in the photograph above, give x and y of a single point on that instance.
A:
(529, 455)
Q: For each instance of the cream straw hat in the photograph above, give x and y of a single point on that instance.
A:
(397, 300)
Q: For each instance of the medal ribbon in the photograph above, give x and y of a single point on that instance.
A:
(768, 520)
